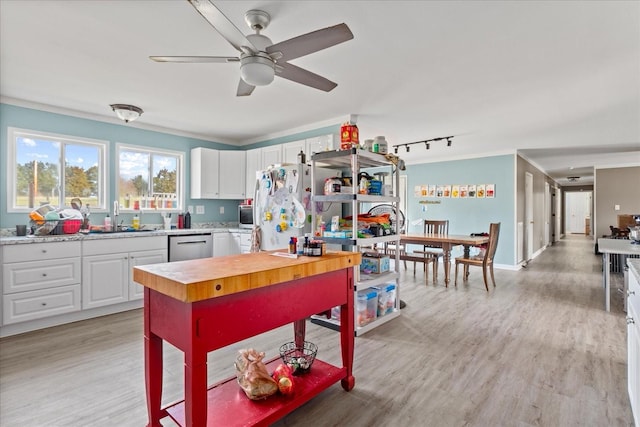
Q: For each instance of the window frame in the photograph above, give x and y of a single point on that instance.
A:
(180, 175)
(103, 163)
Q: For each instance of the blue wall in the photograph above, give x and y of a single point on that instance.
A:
(468, 216)
(31, 119)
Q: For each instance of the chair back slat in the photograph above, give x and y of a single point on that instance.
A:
(436, 226)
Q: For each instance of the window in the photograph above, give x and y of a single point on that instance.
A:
(52, 169)
(149, 178)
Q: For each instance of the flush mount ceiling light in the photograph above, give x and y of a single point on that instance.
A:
(127, 112)
(573, 178)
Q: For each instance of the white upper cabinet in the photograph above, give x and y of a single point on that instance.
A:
(271, 155)
(290, 151)
(232, 175)
(254, 164)
(217, 174)
(204, 173)
(318, 144)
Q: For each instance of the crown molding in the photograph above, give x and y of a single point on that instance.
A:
(108, 119)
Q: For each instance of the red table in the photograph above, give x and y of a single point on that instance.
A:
(203, 305)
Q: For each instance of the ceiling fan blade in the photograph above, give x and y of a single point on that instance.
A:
(311, 42)
(194, 59)
(302, 76)
(223, 25)
(244, 88)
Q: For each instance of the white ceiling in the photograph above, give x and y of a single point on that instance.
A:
(557, 81)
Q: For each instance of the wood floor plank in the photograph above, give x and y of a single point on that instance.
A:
(537, 350)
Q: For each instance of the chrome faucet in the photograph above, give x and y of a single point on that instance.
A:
(116, 214)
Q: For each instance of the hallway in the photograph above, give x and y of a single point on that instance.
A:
(539, 349)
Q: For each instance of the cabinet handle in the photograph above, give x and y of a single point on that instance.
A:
(44, 274)
(44, 304)
(629, 293)
(125, 258)
(44, 251)
(630, 320)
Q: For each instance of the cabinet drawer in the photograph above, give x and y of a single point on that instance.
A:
(40, 251)
(29, 276)
(124, 244)
(23, 306)
(245, 239)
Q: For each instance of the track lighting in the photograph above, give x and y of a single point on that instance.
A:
(427, 143)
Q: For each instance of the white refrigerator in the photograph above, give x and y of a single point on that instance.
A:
(282, 203)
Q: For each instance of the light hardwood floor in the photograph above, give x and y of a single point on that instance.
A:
(539, 349)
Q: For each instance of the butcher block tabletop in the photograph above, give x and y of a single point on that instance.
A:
(201, 279)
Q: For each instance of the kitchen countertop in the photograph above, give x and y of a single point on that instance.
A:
(15, 240)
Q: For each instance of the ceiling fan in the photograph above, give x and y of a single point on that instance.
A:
(260, 59)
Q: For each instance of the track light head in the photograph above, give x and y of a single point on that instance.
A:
(448, 142)
(407, 147)
(428, 146)
(395, 150)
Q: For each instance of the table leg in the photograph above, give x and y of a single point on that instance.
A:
(446, 260)
(607, 280)
(152, 367)
(195, 387)
(299, 331)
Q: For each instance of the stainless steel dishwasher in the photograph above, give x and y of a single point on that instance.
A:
(190, 246)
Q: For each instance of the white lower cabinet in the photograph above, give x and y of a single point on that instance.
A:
(136, 290)
(107, 269)
(221, 244)
(240, 243)
(633, 339)
(40, 280)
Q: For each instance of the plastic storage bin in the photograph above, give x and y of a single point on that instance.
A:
(367, 306)
(374, 263)
(386, 299)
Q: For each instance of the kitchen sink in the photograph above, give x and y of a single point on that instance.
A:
(130, 230)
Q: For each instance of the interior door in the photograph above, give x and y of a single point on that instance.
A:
(578, 208)
(528, 214)
(547, 213)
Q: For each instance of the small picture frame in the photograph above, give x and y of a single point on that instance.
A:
(481, 191)
(455, 191)
(491, 191)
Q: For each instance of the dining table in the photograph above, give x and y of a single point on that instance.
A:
(608, 247)
(444, 241)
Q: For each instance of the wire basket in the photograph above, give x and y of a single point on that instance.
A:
(299, 359)
(51, 227)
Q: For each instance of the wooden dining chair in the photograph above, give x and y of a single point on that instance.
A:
(431, 253)
(486, 261)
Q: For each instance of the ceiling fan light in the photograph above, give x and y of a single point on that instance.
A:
(257, 71)
(126, 112)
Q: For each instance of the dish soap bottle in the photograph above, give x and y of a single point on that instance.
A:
(136, 222)
(107, 223)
